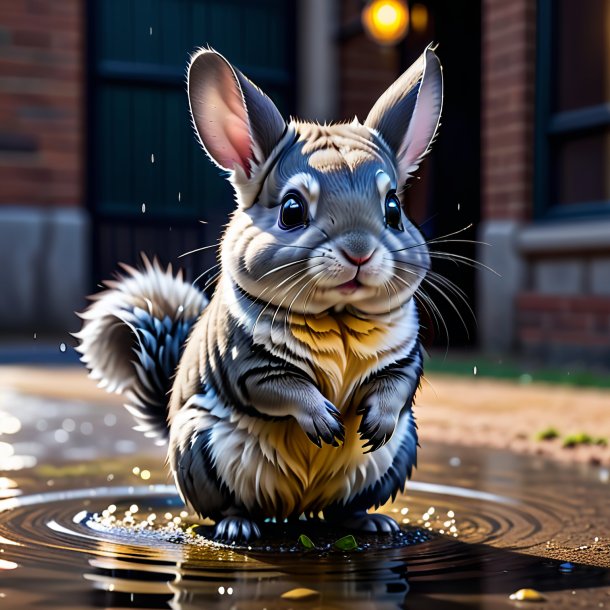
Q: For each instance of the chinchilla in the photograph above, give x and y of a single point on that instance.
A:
(290, 391)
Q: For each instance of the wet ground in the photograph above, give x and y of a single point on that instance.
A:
(89, 518)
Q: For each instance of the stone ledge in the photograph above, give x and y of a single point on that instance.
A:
(45, 275)
(565, 237)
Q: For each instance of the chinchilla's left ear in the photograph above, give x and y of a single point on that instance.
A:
(407, 115)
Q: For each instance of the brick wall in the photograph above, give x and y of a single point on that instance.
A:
(508, 108)
(565, 328)
(41, 102)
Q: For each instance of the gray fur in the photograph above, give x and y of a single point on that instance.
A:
(294, 391)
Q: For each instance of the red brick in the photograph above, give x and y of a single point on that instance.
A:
(41, 97)
(508, 49)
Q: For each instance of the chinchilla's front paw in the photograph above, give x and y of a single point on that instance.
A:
(378, 422)
(323, 424)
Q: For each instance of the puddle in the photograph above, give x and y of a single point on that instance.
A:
(477, 526)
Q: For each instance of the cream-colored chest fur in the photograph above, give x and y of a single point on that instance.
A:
(343, 348)
(274, 464)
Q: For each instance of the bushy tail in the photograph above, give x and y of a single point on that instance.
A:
(133, 335)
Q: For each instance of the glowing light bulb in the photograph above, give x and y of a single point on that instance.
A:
(386, 21)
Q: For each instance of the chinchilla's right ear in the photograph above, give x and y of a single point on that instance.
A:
(407, 115)
(238, 125)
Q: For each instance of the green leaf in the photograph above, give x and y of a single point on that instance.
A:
(548, 434)
(347, 543)
(306, 542)
(581, 438)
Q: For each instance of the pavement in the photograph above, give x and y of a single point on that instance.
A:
(454, 410)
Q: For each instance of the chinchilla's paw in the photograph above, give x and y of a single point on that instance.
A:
(378, 423)
(236, 529)
(323, 425)
(375, 523)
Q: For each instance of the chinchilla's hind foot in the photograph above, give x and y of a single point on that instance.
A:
(236, 529)
(364, 522)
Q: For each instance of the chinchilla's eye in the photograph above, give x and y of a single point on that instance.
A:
(293, 211)
(393, 218)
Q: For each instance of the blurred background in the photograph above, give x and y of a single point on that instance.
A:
(98, 161)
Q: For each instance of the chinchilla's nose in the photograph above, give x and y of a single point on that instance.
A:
(357, 247)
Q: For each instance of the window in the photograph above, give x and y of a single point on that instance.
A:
(573, 108)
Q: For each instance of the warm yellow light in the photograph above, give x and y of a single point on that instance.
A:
(386, 21)
(419, 18)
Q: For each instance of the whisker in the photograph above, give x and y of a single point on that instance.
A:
(302, 260)
(436, 239)
(268, 303)
(199, 249)
(275, 286)
(438, 316)
(431, 273)
(471, 262)
(202, 274)
(451, 303)
(319, 277)
(315, 226)
(450, 286)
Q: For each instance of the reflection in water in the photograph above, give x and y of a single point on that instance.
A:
(160, 563)
(184, 587)
(463, 547)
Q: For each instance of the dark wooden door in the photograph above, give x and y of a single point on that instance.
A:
(149, 182)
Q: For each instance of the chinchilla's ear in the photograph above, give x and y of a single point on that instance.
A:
(407, 115)
(237, 123)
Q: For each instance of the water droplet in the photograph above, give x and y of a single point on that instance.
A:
(110, 419)
(143, 208)
(9, 424)
(179, 196)
(6, 450)
(150, 31)
(34, 335)
(458, 207)
(474, 370)
(62, 347)
(69, 425)
(61, 436)
(152, 157)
